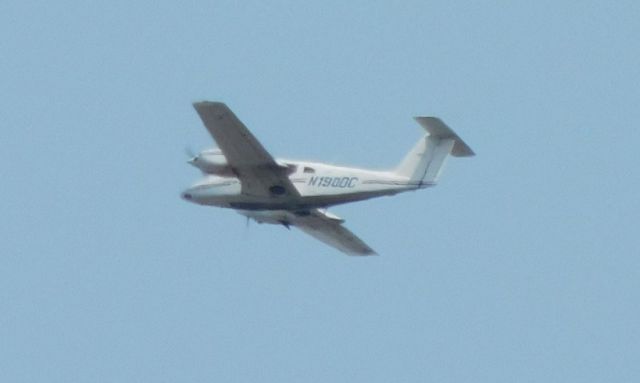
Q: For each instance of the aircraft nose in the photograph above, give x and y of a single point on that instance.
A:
(187, 195)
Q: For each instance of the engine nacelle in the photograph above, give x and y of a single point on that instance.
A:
(212, 161)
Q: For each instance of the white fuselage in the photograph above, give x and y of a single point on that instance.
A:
(319, 185)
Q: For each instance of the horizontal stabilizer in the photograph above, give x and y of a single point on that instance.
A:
(439, 129)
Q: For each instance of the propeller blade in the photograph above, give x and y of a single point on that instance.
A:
(189, 152)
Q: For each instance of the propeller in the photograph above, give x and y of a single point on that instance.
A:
(193, 156)
(188, 150)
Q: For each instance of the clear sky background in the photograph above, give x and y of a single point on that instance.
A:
(521, 266)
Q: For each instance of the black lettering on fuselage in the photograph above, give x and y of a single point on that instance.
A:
(334, 182)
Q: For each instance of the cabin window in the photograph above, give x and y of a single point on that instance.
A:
(309, 170)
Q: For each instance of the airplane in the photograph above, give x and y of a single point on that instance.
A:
(240, 174)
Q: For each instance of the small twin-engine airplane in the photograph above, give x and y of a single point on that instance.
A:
(242, 175)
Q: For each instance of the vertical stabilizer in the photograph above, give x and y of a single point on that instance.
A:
(424, 163)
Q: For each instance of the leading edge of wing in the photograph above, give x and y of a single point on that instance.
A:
(259, 173)
(329, 230)
(239, 145)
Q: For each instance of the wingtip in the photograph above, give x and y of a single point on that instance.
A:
(367, 253)
(203, 103)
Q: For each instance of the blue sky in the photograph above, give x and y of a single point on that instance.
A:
(522, 265)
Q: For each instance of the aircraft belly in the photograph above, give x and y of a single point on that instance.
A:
(236, 200)
(336, 199)
(290, 204)
(228, 193)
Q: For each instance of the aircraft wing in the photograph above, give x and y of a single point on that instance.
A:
(259, 173)
(328, 229)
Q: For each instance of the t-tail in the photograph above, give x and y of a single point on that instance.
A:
(424, 163)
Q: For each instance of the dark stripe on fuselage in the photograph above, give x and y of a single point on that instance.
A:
(397, 183)
(312, 202)
(208, 186)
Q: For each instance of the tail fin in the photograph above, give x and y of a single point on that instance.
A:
(425, 161)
